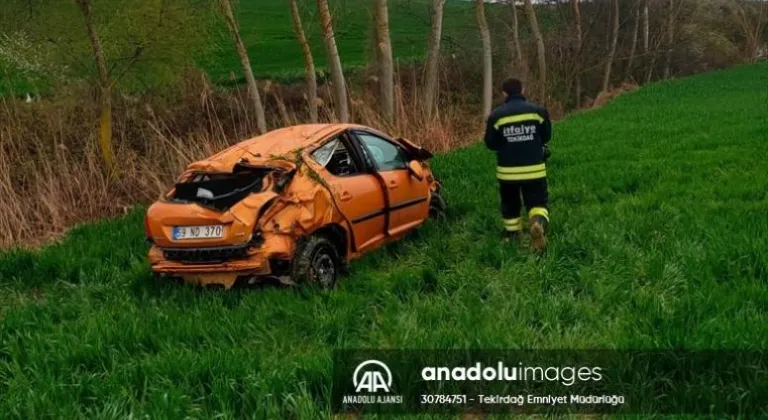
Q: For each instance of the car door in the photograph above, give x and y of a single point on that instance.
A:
(357, 191)
(407, 197)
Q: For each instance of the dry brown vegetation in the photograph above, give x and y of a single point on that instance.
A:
(52, 174)
(52, 164)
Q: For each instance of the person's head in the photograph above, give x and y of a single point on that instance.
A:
(512, 87)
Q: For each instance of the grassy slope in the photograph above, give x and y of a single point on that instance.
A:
(657, 242)
(267, 30)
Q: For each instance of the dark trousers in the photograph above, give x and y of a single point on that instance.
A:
(534, 197)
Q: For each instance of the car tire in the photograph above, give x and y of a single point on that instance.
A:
(437, 205)
(316, 263)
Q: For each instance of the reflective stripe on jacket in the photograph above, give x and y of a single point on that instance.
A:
(521, 173)
(517, 131)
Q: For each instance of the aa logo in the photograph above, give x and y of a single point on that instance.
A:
(372, 376)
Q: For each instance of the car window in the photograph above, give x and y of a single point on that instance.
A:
(335, 157)
(385, 154)
(323, 154)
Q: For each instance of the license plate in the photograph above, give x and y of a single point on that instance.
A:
(198, 232)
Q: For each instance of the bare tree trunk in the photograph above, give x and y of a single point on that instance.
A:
(487, 57)
(253, 89)
(670, 39)
(649, 75)
(751, 29)
(759, 27)
(517, 51)
(105, 86)
(386, 65)
(648, 59)
(541, 51)
(577, 53)
(614, 42)
(309, 62)
(633, 48)
(334, 61)
(373, 47)
(433, 56)
(646, 28)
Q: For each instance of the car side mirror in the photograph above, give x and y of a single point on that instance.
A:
(416, 170)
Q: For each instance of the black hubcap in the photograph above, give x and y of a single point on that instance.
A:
(323, 268)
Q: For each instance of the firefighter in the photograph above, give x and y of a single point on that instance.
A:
(519, 132)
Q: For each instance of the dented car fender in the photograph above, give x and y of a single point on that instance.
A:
(303, 208)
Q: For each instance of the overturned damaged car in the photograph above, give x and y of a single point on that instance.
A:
(294, 205)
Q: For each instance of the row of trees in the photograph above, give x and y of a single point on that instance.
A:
(745, 18)
(572, 49)
(635, 17)
(384, 59)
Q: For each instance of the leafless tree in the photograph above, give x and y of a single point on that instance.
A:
(334, 60)
(751, 18)
(614, 43)
(541, 55)
(646, 27)
(485, 34)
(652, 51)
(386, 65)
(633, 47)
(309, 62)
(105, 85)
(242, 52)
(518, 61)
(433, 57)
(670, 39)
(577, 50)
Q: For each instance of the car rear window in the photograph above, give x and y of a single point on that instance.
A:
(219, 191)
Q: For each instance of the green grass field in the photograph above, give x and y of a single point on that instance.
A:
(266, 30)
(659, 240)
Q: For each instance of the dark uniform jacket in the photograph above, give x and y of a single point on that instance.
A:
(518, 132)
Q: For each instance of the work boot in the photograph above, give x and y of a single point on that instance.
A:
(539, 233)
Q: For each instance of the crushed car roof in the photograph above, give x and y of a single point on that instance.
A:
(271, 145)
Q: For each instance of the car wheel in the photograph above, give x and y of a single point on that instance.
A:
(437, 206)
(317, 263)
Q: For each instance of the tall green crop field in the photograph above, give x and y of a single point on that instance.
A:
(266, 28)
(267, 32)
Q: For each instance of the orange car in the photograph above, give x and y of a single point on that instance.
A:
(295, 204)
